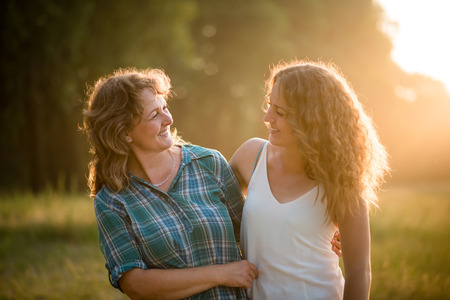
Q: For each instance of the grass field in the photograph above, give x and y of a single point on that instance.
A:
(49, 249)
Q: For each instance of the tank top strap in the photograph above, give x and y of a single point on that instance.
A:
(257, 158)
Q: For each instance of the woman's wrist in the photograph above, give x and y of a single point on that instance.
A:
(216, 274)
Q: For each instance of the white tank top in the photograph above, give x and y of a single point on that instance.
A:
(289, 243)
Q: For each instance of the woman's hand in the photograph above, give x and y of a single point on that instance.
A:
(336, 244)
(238, 274)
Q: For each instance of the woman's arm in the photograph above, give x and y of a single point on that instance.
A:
(243, 160)
(355, 241)
(182, 283)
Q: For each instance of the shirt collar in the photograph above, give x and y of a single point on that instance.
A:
(193, 152)
(188, 154)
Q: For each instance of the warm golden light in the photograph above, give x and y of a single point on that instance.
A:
(420, 32)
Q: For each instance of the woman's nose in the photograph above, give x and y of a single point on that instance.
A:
(168, 120)
(268, 116)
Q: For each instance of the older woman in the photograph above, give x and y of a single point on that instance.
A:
(320, 169)
(168, 214)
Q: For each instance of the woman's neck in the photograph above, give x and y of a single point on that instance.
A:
(288, 158)
(149, 166)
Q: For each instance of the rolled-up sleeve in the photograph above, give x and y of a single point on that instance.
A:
(115, 237)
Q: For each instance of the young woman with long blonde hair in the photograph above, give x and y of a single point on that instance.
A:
(319, 171)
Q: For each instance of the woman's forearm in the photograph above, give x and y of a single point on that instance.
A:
(182, 283)
(167, 284)
(357, 283)
(355, 240)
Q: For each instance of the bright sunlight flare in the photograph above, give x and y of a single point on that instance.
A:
(420, 30)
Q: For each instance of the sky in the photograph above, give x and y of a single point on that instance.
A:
(420, 30)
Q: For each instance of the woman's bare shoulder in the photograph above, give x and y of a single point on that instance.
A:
(243, 159)
(250, 147)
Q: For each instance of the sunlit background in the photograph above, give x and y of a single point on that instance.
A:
(420, 31)
(217, 53)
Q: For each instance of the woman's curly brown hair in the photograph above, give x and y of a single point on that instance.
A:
(337, 138)
(113, 108)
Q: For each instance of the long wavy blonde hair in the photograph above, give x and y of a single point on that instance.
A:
(337, 138)
(114, 107)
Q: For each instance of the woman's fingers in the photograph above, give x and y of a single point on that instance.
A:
(240, 274)
(336, 244)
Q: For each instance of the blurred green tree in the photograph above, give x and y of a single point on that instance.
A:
(50, 50)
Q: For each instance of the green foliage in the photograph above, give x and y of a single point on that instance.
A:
(410, 243)
(49, 249)
(49, 246)
(51, 49)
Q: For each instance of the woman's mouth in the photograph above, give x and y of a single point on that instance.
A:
(273, 130)
(165, 132)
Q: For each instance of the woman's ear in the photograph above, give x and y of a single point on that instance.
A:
(128, 138)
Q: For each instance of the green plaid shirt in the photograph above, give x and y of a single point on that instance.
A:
(196, 223)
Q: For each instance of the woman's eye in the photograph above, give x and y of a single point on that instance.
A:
(280, 113)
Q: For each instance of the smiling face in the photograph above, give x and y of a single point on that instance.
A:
(152, 133)
(280, 130)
